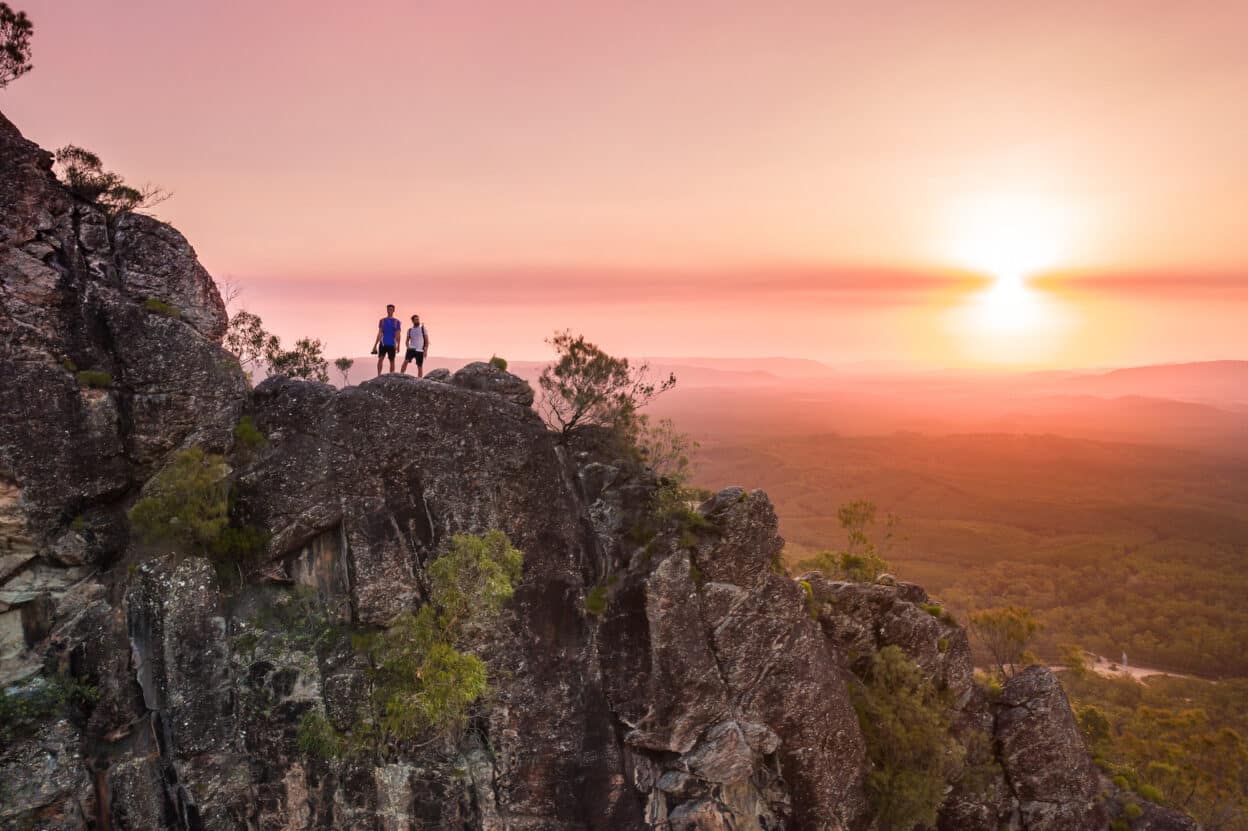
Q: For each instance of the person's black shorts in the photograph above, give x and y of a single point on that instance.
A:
(384, 351)
(415, 355)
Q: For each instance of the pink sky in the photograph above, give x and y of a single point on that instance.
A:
(698, 178)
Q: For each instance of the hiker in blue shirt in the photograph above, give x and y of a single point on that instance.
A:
(387, 338)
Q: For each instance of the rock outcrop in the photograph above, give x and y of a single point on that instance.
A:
(646, 676)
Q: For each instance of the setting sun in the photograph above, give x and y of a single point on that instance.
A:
(1010, 237)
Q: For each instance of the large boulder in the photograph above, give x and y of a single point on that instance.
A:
(1045, 760)
(483, 377)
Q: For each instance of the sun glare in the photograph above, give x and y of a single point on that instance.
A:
(1009, 239)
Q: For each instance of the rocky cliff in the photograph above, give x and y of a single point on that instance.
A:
(702, 688)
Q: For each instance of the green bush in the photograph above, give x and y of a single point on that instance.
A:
(1094, 726)
(1132, 811)
(186, 503)
(424, 680)
(162, 308)
(498, 363)
(238, 544)
(905, 722)
(23, 706)
(94, 379)
(812, 605)
(942, 645)
(317, 737)
(596, 600)
(247, 436)
(1005, 634)
(861, 561)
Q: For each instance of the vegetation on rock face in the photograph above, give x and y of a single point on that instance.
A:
(596, 600)
(1179, 742)
(1005, 635)
(29, 703)
(15, 33)
(862, 559)
(247, 436)
(498, 363)
(84, 175)
(424, 679)
(162, 308)
(905, 723)
(188, 504)
(94, 379)
(586, 386)
(317, 737)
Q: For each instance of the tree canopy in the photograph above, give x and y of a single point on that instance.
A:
(83, 173)
(586, 386)
(1005, 634)
(15, 33)
(253, 346)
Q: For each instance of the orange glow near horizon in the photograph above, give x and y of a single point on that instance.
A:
(956, 183)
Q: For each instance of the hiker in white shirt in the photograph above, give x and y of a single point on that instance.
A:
(417, 346)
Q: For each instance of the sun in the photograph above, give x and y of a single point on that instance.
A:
(1009, 238)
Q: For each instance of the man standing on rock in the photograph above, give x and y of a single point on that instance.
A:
(417, 346)
(387, 341)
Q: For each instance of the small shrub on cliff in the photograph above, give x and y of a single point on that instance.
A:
(905, 722)
(306, 360)
(23, 706)
(498, 363)
(15, 33)
(84, 175)
(664, 449)
(317, 737)
(861, 560)
(1005, 634)
(248, 438)
(425, 682)
(162, 308)
(94, 379)
(343, 365)
(586, 386)
(812, 605)
(186, 503)
(596, 600)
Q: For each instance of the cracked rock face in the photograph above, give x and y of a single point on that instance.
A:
(675, 679)
(1048, 768)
